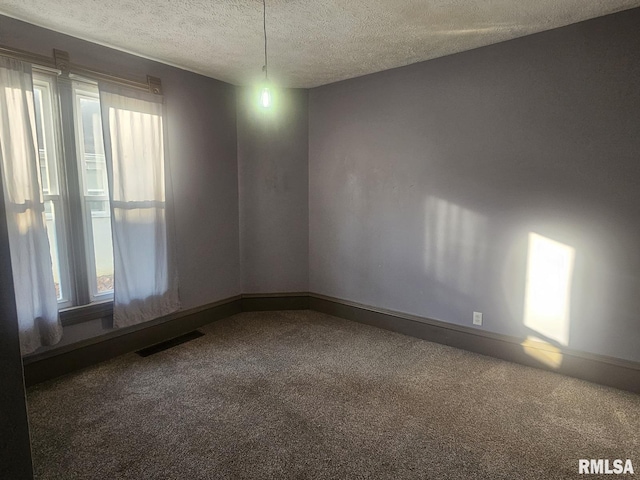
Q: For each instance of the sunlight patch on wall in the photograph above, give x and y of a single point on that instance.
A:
(548, 288)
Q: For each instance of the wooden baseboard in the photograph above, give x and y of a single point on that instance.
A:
(256, 302)
(599, 369)
(609, 371)
(57, 362)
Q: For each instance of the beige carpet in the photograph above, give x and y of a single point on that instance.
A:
(299, 394)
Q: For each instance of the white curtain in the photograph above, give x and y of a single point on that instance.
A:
(144, 274)
(35, 291)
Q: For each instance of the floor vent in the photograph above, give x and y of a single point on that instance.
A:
(159, 347)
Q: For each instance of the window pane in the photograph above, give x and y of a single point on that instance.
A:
(50, 217)
(102, 245)
(47, 124)
(93, 172)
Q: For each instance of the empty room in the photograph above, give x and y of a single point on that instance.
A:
(269, 239)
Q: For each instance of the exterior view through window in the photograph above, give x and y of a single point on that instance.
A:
(82, 182)
(95, 190)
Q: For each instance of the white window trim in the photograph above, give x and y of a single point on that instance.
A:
(53, 145)
(88, 90)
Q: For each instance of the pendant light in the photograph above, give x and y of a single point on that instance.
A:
(265, 94)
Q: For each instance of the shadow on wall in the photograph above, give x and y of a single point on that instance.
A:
(455, 245)
(462, 253)
(550, 269)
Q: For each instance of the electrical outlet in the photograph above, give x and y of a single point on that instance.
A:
(477, 318)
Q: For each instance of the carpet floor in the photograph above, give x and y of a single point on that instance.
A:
(300, 394)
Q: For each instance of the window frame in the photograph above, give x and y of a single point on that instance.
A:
(51, 128)
(84, 302)
(84, 89)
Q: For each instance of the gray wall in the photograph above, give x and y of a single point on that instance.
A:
(273, 186)
(426, 181)
(201, 119)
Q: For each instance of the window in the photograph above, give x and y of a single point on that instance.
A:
(76, 209)
(49, 149)
(75, 189)
(94, 190)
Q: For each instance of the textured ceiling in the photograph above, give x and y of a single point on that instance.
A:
(311, 42)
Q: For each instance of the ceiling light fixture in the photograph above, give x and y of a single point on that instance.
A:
(265, 94)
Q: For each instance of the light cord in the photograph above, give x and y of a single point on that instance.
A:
(264, 24)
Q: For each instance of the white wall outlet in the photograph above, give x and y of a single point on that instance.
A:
(477, 318)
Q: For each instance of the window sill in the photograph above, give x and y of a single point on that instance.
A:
(85, 313)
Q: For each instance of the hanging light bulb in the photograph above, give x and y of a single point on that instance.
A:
(265, 97)
(265, 94)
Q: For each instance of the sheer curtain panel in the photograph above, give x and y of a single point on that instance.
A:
(144, 273)
(35, 290)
